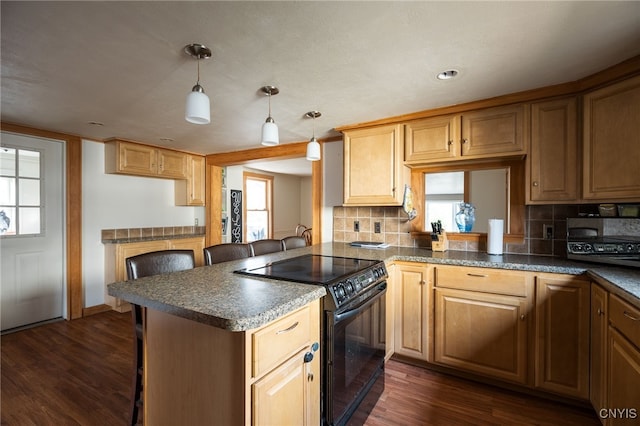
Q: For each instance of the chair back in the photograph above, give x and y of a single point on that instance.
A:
(293, 242)
(266, 246)
(159, 262)
(225, 252)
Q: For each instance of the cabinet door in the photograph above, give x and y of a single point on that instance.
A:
(482, 333)
(494, 131)
(599, 313)
(411, 311)
(562, 335)
(623, 380)
(612, 142)
(432, 139)
(279, 398)
(136, 159)
(553, 158)
(374, 173)
(191, 191)
(172, 164)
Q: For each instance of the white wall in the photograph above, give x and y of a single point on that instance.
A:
(116, 201)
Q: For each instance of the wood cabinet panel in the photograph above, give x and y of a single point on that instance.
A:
(514, 283)
(432, 139)
(191, 191)
(130, 158)
(562, 335)
(411, 310)
(499, 130)
(482, 333)
(623, 374)
(599, 319)
(612, 142)
(374, 173)
(553, 157)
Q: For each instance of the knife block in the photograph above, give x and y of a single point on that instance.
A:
(440, 242)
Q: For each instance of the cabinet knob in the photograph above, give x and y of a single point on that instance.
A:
(522, 317)
(449, 143)
(310, 377)
(465, 140)
(422, 282)
(600, 311)
(535, 183)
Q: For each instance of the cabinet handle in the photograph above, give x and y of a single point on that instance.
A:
(630, 316)
(449, 143)
(294, 325)
(600, 311)
(535, 183)
(522, 317)
(310, 377)
(422, 282)
(476, 275)
(465, 141)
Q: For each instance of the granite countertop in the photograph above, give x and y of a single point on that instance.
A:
(216, 296)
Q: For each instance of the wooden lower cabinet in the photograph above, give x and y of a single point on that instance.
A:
(599, 320)
(197, 374)
(482, 333)
(117, 254)
(562, 335)
(411, 288)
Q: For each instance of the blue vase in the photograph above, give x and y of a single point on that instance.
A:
(465, 218)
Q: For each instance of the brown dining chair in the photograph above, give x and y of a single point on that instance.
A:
(227, 251)
(293, 242)
(266, 246)
(143, 265)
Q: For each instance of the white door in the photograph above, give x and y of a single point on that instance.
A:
(32, 243)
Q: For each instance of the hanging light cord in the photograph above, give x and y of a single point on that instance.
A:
(269, 104)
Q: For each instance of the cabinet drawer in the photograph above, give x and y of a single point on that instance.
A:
(279, 340)
(626, 318)
(512, 283)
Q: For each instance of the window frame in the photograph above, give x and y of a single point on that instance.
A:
(268, 179)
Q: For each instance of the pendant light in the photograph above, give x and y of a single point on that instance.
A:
(197, 109)
(269, 129)
(313, 147)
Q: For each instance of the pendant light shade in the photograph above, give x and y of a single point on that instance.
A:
(197, 108)
(270, 134)
(313, 150)
(313, 147)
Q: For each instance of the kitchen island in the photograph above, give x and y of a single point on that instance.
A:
(213, 350)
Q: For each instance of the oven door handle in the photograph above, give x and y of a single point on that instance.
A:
(382, 289)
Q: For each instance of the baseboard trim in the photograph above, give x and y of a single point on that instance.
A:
(92, 310)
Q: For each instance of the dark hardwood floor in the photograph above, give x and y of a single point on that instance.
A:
(78, 373)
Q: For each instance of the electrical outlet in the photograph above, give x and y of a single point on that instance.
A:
(356, 226)
(547, 232)
(376, 227)
(196, 221)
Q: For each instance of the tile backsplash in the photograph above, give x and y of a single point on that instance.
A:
(394, 228)
(120, 234)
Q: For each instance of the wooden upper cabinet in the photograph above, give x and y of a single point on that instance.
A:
(374, 173)
(491, 132)
(553, 157)
(131, 158)
(191, 191)
(432, 139)
(612, 142)
(495, 131)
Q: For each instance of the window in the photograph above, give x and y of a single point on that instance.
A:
(20, 192)
(258, 191)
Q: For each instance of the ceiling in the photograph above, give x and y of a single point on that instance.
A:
(121, 64)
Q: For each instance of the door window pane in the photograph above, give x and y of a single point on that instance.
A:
(7, 191)
(7, 221)
(7, 161)
(29, 192)
(29, 163)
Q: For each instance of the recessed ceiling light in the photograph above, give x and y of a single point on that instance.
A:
(447, 75)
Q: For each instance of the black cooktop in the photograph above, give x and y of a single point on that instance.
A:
(311, 269)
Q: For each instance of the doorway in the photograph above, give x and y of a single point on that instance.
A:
(32, 230)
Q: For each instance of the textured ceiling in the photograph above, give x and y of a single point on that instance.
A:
(65, 64)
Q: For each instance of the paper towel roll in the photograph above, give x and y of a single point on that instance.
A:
(494, 236)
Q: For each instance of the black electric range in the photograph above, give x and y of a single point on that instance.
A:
(345, 278)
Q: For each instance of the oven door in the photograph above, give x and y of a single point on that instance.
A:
(355, 350)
